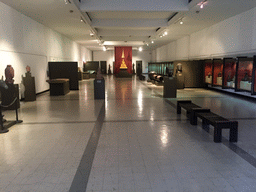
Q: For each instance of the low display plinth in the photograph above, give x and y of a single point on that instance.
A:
(99, 89)
(123, 73)
(59, 86)
(170, 87)
(86, 75)
(8, 96)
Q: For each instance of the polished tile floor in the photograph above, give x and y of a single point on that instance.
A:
(133, 141)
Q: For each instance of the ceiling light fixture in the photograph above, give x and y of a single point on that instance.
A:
(82, 20)
(165, 33)
(201, 4)
(104, 48)
(181, 22)
(160, 36)
(152, 41)
(140, 48)
(67, 2)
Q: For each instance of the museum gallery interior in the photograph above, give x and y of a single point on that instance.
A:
(138, 96)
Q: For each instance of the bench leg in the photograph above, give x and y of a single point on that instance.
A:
(233, 133)
(205, 125)
(193, 118)
(178, 109)
(217, 134)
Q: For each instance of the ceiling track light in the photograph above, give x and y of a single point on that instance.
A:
(82, 20)
(104, 48)
(67, 2)
(202, 4)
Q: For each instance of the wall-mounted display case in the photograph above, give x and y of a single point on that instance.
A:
(217, 72)
(208, 71)
(229, 73)
(244, 74)
(160, 67)
(254, 76)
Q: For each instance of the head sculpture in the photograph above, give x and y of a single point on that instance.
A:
(9, 74)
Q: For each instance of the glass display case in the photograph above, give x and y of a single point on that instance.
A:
(229, 73)
(217, 72)
(244, 74)
(208, 71)
(254, 75)
(160, 67)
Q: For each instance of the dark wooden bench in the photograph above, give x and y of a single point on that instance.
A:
(187, 105)
(218, 122)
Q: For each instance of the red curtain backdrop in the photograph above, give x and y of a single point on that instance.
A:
(127, 60)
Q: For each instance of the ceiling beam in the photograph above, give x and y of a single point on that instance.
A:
(107, 32)
(129, 23)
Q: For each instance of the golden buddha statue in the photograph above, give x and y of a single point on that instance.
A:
(123, 65)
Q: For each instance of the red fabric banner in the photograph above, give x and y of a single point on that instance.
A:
(127, 53)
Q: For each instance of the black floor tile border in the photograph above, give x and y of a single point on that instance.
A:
(59, 122)
(79, 183)
(239, 151)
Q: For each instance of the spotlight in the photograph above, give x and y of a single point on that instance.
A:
(152, 41)
(104, 48)
(165, 33)
(160, 36)
(202, 6)
(82, 20)
(140, 48)
(181, 22)
(67, 2)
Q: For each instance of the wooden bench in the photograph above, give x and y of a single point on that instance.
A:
(218, 122)
(187, 105)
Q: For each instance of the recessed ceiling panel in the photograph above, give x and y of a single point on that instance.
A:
(134, 5)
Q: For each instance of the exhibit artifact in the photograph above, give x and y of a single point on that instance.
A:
(99, 75)
(28, 69)
(123, 65)
(9, 74)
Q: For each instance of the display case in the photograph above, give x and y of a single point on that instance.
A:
(254, 76)
(244, 74)
(160, 67)
(208, 71)
(217, 72)
(229, 73)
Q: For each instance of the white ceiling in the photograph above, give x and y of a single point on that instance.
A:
(128, 23)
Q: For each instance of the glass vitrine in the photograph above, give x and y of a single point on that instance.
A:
(208, 71)
(229, 73)
(244, 74)
(217, 72)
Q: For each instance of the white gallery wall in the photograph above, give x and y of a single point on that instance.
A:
(24, 41)
(235, 36)
(109, 56)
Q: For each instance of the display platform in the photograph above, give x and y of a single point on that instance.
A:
(59, 86)
(123, 73)
(242, 94)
